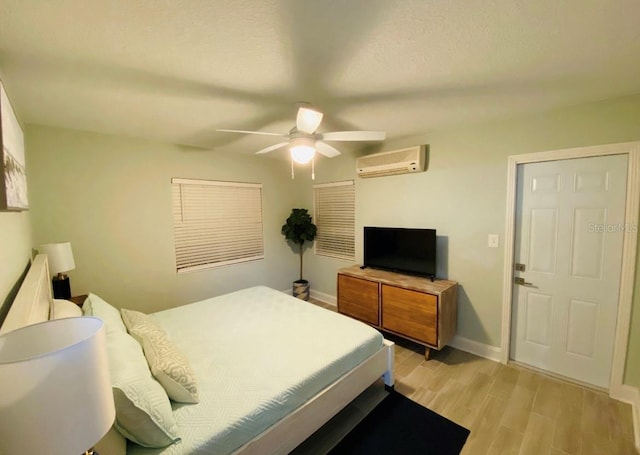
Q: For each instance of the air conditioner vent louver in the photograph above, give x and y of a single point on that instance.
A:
(401, 161)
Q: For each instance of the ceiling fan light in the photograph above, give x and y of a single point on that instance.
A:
(308, 120)
(302, 154)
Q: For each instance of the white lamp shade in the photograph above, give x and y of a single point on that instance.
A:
(308, 120)
(302, 154)
(302, 149)
(60, 257)
(55, 389)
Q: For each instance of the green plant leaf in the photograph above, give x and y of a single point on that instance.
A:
(298, 229)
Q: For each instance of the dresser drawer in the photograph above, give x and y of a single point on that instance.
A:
(410, 313)
(358, 298)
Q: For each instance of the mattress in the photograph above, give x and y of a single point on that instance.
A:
(258, 354)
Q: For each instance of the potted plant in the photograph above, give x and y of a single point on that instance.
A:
(298, 229)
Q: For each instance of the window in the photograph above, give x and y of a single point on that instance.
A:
(334, 214)
(216, 223)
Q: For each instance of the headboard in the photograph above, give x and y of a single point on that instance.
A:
(33, 304)
(33, 301)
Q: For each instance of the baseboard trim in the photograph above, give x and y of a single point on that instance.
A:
(635, 407)
(474, 347)
(631, 395)
(323, 297)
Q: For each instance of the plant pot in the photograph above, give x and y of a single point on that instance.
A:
(301, 289)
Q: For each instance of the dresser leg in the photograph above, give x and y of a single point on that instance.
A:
(427, 351)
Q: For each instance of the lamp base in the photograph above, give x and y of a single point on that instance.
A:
(61, 287)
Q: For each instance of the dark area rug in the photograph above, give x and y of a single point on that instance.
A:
(401, 426)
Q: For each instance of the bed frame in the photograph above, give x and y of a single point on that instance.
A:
(293, 429)
(33, 304)
(33, 301)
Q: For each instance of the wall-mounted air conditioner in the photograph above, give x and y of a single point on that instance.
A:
(401, 161)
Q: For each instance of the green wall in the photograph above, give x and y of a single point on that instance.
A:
(15, 253)
(463, 196)
(111, 198)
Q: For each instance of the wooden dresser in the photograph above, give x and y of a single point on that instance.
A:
(412, 307)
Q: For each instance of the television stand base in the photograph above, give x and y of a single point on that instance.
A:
(420, 309)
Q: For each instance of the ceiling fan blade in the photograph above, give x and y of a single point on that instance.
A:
(272, 148)
(308, 120)
(354, 136)
(327, 150)
(252, 132)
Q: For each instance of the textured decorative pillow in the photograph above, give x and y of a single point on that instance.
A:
(65, 309)
(167, 363)
(143, 410)
(95, 306)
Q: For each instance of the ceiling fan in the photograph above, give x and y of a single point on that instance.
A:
(304, 142)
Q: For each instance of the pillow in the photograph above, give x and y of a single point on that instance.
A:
(143, 410)
(95, 306)
(65, 309)
(168, 364)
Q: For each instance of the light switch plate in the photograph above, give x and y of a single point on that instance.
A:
(494, 240)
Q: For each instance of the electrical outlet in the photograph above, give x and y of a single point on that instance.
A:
(494, 240)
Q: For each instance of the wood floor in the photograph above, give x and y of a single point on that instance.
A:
(511, 410)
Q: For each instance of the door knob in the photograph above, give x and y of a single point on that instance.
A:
(519, 280)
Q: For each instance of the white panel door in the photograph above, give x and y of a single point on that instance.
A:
(569, 232)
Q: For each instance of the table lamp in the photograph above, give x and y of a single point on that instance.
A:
(55, 389)
(60, 261)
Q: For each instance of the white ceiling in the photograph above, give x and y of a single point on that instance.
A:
(176, 70)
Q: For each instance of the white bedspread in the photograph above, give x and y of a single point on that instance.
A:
(257, 354)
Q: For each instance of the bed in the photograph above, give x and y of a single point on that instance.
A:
(266, 383)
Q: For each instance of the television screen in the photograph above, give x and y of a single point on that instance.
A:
(405, 250)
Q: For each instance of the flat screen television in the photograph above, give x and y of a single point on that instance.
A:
(404, 250)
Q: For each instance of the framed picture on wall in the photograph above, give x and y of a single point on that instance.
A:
(13, 175)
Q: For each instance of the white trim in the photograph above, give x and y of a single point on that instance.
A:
(324, 298)
(626, 393)
(635, 408)
(327, 185)
(33, 302)
(627, 276)
(507, 279)
(321, 296)
(632, 149)
(631, 395)
(474, 347)
(215, 183)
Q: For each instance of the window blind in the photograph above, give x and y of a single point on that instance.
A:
(334, 215)
(216, 223)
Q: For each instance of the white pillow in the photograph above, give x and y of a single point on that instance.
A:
(65, 309)
(95, 306)
(143, 411)
(168, 364)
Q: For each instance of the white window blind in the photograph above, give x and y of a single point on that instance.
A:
(335, 216)
(216, 223)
